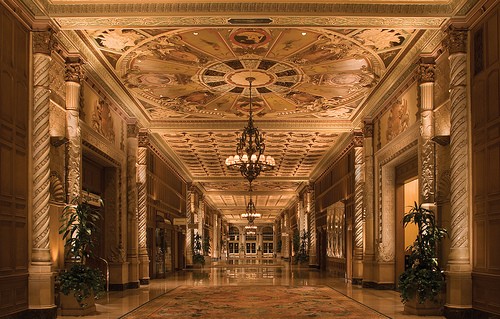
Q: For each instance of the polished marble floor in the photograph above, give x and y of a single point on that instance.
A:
(247, 272)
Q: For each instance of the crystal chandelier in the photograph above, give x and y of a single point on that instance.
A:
(250, 159)
(251, 212)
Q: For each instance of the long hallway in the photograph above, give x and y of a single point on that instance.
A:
(247, 273)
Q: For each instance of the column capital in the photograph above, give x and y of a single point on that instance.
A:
(368, 128)
(143, 137)
(426, 72)
(358, 138)
(73, 71)
(43, 42)
(132, 130)
(456, 40)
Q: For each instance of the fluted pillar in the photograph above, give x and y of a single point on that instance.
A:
(216, 235)
(426, 152)
(201, 217)
(369, 206)
(285, 228)
(41, 277)
(132, 207)
(142, 210)
(459, 282)
(72, 76)
(311, 209)
(190, 221)
(359, 181)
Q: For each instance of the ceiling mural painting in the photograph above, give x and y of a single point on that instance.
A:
(201, 73)
(194, 75)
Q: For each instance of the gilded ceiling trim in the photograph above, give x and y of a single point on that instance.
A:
(75, 23)
(245, 193)
(318, 8)
(157, 145)
(402, 70)
(277, 179)
(343, 145)
(102, 76)
(331, 126)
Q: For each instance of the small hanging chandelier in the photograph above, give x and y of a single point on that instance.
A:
(251, 212)
(249, 158)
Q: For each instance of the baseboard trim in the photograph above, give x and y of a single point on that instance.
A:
(48, 313)
(458, 313)
(378, 286)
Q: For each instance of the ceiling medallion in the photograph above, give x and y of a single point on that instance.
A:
(249, 158)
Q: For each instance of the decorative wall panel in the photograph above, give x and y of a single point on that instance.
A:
(485, 113)
(14, 106)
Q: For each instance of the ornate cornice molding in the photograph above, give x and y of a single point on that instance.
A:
(204, 125)
(77, 23)
(403, 69)
(101, 146)
(101, 76)
(430, 8)
(342, 147)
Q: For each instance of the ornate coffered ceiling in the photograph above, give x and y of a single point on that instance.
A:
(180, 68)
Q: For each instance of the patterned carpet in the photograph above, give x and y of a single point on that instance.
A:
(230, 302)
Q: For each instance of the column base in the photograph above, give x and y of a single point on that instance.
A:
(41, 286)
(118, 276)
(378, 286)
(458, 313)
(144, 269)
(357, 281)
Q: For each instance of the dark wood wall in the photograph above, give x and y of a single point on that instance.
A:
(485, 112)
(14, 106)
(336, 184)
(166, 201)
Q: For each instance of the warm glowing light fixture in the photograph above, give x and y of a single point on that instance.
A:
(251, 211)
(249, 158)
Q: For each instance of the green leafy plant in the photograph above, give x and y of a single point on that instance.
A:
(301, 246)
(206, 245)
(79, 229)
(198, 257)
(423, 278)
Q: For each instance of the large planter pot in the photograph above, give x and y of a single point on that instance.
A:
(70, 307)
(428, 308)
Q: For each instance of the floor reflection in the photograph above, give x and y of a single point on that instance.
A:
(247, 272)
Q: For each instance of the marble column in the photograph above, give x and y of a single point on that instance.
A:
(216, 235)
(369, 205)
(311, 211)
(189, 230)
(142, 211)
(132, 207)
(41, 276)
(459, 281)
(73, 74)
(426, 152)
(359, 181)
(200, 221)
(285, 228)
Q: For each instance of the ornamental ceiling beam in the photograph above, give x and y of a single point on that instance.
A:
(204, 125)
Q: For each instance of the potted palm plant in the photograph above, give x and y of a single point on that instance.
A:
(422, 283)
(80, 283)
